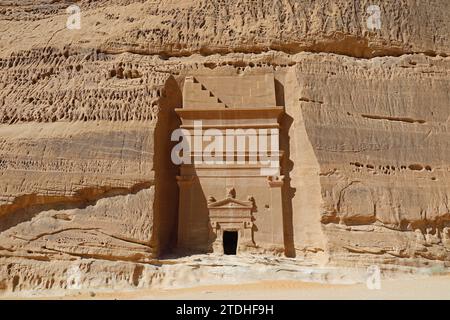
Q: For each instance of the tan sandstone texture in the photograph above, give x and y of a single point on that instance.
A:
(89, 195)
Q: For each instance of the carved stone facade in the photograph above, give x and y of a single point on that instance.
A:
(231, 215)
(241, 109)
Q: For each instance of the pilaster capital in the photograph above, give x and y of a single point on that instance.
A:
(275, 181)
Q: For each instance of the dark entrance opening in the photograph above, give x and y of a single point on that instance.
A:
(230, 239)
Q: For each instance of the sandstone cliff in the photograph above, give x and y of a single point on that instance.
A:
(85, 117)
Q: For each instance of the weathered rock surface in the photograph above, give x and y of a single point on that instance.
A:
(86, 116)
(29, 279)
(177, 28)
(380, 134)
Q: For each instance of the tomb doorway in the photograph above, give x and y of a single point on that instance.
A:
(230, 241)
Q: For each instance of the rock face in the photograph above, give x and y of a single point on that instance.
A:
(380, 134)
(86, 117)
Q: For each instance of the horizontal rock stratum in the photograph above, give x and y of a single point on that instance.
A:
(87, 183)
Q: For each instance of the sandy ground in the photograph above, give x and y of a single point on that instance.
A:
(205, 277)
(437, 287)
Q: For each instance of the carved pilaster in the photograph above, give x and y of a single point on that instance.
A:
(185, 180)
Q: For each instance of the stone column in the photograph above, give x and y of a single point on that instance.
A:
(185, 185)
(218, 242)
(275, 184)
(246, 236)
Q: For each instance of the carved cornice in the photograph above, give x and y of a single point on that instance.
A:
(230, 203)
(268, 112)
